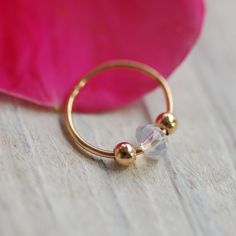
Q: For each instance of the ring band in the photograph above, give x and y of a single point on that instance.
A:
(166, 121)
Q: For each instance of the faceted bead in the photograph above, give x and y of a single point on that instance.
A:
(152, 140)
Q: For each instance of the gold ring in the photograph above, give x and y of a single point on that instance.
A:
(151, 139)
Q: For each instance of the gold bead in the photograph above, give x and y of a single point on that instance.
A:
(125, 153)
(168, 122)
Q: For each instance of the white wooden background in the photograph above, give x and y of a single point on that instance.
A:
(49, 188)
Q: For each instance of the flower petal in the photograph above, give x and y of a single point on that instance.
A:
(46, 46)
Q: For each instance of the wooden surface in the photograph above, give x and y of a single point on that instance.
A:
(48, 188)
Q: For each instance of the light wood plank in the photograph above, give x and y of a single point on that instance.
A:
(202, 154)
(56, 190)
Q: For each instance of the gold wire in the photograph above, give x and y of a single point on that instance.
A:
(145, 69)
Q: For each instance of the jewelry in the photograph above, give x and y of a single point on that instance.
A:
(151, 139)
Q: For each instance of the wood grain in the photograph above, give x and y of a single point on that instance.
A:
(49, 188)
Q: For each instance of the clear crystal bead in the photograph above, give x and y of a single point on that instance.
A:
(152, 140)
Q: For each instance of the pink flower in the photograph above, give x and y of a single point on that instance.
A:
(46, 46)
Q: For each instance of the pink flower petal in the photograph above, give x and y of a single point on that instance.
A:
(45, 46)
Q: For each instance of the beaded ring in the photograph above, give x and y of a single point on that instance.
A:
(151, 139)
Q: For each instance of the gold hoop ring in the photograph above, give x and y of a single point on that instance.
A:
(124, 153)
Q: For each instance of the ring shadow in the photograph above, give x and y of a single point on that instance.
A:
(105, 164)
